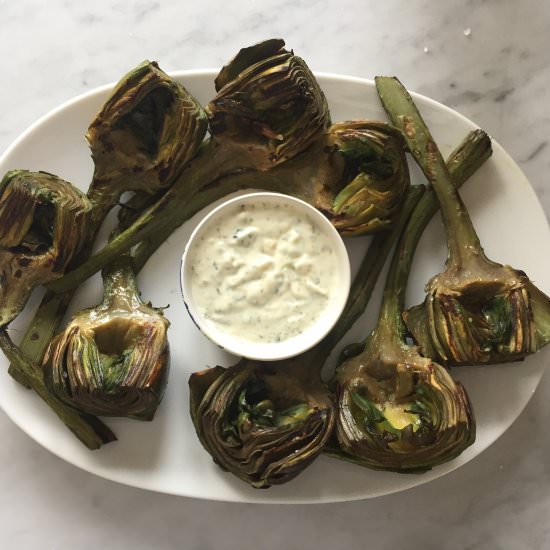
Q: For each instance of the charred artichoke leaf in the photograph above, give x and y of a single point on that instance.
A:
(477, 311)
(112, 360)
(42, 222)
(147, 130)
(268, 103)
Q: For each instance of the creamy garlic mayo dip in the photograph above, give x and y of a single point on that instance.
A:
(263, 272)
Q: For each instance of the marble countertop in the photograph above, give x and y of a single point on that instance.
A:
(487, 58)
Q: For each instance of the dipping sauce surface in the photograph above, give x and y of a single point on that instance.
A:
(262, 272)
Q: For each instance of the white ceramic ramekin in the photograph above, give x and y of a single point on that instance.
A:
(311, 335)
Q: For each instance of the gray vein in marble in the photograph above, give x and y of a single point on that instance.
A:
(536, 151)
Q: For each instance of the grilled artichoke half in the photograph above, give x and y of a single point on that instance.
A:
(113, 359)
(397, 410)
(477, 311)
(261, 422)
(268, 104)
(42, 222)
(144, 134)
(375, 176)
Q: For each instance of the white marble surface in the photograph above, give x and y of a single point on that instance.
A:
(498, 76)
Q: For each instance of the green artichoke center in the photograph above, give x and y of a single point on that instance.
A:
(146, 121)
(117, 336)
(254, 408)
(389, 421)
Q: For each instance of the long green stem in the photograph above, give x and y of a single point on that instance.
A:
(87, 428)
(462, 239)
(461, 164)
(147, 247)
(368, 273)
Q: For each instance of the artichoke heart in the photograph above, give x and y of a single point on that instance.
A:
(268, 103)
(112, 360)
(399, 411)
(42, 222)
(145, 133)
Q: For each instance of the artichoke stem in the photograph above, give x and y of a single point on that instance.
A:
(474, 150)
(87, 428)
(119, 285)
(287, 177)
(462, 239)
(368, 273)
